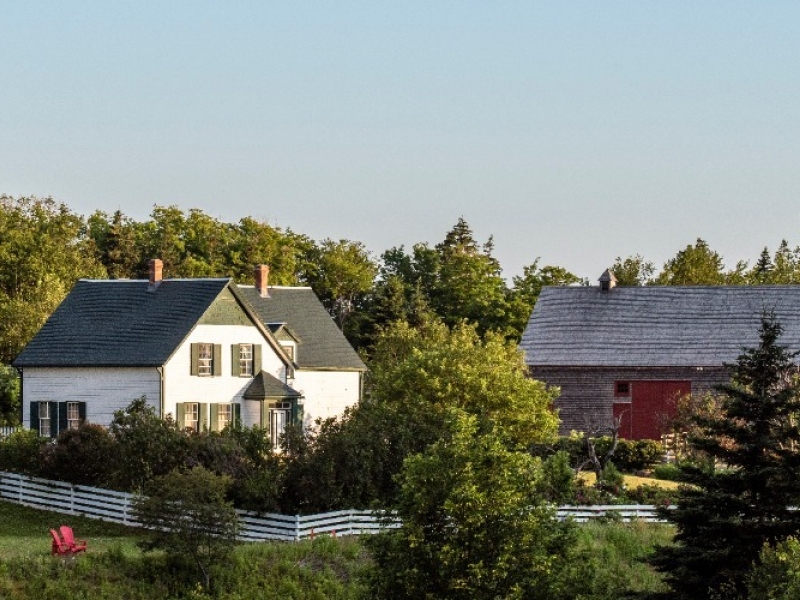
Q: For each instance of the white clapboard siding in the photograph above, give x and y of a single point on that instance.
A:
(108, 505)
(327, 393)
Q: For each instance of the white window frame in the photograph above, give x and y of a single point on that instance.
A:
(205, 359)
(73, 415)
(45, 414)
(245, 360)
(191, 415)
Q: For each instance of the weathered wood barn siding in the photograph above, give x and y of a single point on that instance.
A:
(587, 393)
(584, 339)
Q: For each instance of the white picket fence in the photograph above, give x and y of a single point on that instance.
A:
(7, 430)
(99, 503)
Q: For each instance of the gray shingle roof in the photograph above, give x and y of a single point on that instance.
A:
(266, 386)
(322, 345)
(654, 326)
(119, 323)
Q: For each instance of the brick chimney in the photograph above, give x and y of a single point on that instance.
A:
(262, 280)
(156, 271)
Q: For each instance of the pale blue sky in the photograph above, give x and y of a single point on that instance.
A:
(574, 131)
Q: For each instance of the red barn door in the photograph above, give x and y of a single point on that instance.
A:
(653, 405)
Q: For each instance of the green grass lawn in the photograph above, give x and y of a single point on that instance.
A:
(26, 531)
(609, 564)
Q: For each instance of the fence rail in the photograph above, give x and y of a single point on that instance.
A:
(108, 505)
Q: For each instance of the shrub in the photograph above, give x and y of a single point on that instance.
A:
(558, 479)
(667, 472)
(21, 452)
(83, 456)
(189, 518)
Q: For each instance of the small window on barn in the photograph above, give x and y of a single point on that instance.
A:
(622, 388)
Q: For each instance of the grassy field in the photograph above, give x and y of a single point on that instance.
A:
(632, 481)
(26, 531)
(608, 564)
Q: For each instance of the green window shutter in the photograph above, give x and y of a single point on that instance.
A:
(180, 415)
(82, 411)
(217, 362)
(55, 417)
(215, 417)
(265, 415)
(235, 360)
(35, 416)
(237, 415)
(195, 359)
(256, 359)
(203, 424)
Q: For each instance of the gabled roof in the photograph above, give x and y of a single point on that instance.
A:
(265, 386)
(119, 323)
(321, 345)
(654, 325)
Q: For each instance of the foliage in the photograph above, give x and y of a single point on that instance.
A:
(43, 251)
(148, 446)
(629, 456)
(426, 372)
(633, 270)
(667, 472)
(776, 576)
(558, 483)
(83, 456)
(9, 396)
(472, 523)
(188, 517)
(725, 516)
(694, 265)
(341, 274)
(21, 451)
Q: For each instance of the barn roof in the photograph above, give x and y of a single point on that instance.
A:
(654, 325)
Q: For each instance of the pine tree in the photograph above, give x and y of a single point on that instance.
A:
(744, 497)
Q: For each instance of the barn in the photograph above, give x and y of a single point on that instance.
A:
(630, 352)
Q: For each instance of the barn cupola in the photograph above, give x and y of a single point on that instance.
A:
(607, 281)
(262, 280)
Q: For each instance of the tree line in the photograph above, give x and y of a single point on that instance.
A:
(45, 247)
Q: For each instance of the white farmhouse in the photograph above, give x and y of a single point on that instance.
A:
(207, 351)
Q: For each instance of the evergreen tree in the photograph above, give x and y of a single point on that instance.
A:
(727, 513)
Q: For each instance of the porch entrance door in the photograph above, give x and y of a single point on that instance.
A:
(279, 417)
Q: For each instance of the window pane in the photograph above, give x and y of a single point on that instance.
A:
(223, 415)
(192, 415)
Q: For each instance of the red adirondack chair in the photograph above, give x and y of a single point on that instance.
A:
(59, 547)
(69, 539)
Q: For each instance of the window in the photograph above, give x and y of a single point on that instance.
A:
(245, 360)
(205, 360)
(224, 416)
(73, 415)
(622, 388)
(191, 415)
(289, 350)
(44, 419)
